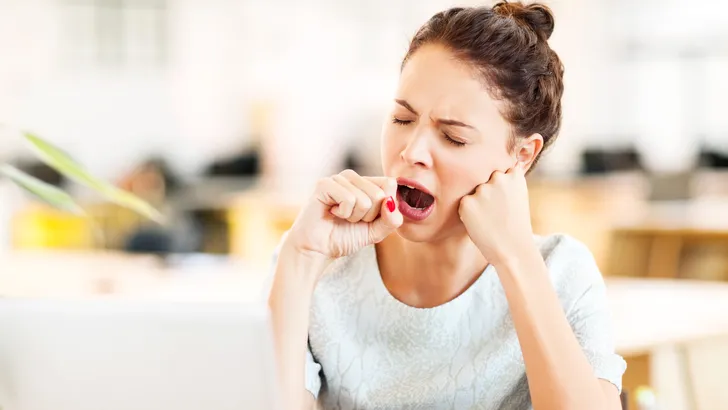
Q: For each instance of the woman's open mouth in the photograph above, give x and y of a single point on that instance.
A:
(414, 202)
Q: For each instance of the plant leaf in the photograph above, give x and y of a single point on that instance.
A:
(131, 201)
(63, 163)
(44, 191)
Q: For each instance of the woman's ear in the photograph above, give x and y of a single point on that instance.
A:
(527, 151)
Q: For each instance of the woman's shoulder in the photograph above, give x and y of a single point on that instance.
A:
(571, 264)
(561, 247)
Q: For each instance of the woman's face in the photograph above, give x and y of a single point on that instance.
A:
(444, 137)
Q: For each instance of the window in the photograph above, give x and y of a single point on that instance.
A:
(114, 33)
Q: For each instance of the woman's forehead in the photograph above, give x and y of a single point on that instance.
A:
(434, 81)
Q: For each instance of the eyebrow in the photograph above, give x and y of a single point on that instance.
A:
(406, 105)
(455, 123)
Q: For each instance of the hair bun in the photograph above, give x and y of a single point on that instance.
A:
(537, 16)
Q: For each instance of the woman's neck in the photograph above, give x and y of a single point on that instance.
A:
(429, 274)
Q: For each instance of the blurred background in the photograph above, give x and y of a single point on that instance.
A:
(223, 113)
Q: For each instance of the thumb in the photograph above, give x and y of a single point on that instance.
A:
(388, 221)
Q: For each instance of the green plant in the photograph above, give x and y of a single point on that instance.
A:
(64, 164)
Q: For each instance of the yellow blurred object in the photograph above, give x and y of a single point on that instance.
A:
(645, 398)
(638, 372)
(40, 226)
(257, 222)
(115, 224)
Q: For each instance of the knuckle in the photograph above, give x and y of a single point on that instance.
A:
(348, 173)
(321, 183)
(350, 199)
(471, 203)
(481, 192)
(365, 203)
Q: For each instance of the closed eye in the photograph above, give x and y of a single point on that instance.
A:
(400, 122)
(453, 141)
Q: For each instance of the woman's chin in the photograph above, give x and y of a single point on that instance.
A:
(434, 230)
(415, 232)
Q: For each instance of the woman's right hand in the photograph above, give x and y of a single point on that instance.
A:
(346, 213)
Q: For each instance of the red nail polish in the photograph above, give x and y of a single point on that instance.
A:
(390, 204)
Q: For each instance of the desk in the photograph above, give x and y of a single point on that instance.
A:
(658, 323)
(657, 239)
(657, 312)
(674, 335)
(80, 275)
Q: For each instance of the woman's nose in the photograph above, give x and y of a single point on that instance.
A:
(417, 151)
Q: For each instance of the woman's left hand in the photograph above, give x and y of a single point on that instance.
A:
(497, 216)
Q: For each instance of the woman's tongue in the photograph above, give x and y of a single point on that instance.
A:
(416, 198)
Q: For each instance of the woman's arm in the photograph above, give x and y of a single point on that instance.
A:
(290, 300)
(559, 375)
(346, 213)
(497, 218)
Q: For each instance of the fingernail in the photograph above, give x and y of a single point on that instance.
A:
(390, 204)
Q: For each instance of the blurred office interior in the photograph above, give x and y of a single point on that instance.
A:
(223, 113)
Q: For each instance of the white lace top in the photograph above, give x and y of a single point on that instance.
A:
(371, 351)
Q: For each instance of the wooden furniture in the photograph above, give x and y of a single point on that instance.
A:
(674, 336)
(584, 208)
(631, 236)
(673, 240)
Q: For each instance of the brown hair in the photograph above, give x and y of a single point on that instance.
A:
(507, 45)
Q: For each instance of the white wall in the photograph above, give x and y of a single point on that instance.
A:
(223, 56)
(676, 78)
(109, 118)
(330, 68)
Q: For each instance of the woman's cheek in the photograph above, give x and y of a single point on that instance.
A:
(461, 177)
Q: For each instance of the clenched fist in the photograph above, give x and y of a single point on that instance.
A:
(346, 213)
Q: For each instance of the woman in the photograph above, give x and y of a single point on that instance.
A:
(426, 289)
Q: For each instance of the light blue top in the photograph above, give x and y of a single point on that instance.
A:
(367, 350)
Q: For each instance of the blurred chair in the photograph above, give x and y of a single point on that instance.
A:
(150, 240)
(671, 187)
(245, 163)
(713, 159)
(601, 161)
(43, 172)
